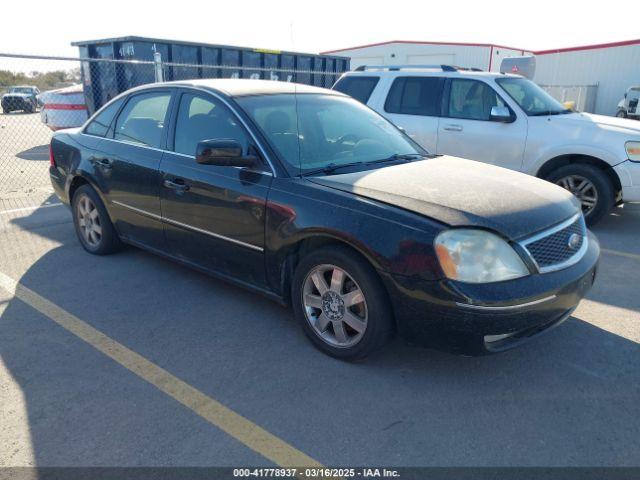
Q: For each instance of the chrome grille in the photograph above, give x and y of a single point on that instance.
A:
(553, 249)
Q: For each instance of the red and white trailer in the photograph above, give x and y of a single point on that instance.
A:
(63, 108)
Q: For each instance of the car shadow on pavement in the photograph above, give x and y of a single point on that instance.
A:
(40, 152)
(567, 398)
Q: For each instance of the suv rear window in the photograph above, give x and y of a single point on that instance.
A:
(415, 96)
(359, 88)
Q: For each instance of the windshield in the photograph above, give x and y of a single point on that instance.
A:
(530, 97)
(20, 90)
(328, 131)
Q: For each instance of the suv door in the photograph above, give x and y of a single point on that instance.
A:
(214, 216)
(129, 163)
(414, 104)
(466, 129)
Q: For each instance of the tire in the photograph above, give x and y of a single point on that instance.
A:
(30, 108)
(604, 191)
(621, 114)
(105, 239)
(373, 313)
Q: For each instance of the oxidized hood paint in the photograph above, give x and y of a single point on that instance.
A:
(463, 193)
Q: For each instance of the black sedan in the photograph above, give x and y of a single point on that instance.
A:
(313, 199)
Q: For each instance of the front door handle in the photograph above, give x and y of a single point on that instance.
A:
(176, 184)
(453, 128)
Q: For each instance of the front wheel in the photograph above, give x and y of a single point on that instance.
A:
(591, 186)
(92, 223)
(621, 114)
(341, 303)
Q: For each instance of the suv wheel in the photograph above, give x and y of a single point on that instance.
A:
(341, 303)
(92, 223)
(590, 185)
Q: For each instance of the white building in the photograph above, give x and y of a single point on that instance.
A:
(594, 76)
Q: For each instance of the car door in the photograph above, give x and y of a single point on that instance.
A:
(414, 104)
(129, 166)
(214, 215)
(466, 129)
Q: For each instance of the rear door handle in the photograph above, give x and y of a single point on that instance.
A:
(176, 184)
(453, 128)
(102, 162)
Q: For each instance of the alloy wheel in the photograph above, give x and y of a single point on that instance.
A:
(89, 221)
(583, 189)
(334, 305)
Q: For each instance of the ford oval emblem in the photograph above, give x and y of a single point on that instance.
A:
(574, 241)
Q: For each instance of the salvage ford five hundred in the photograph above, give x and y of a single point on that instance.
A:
(315, 200)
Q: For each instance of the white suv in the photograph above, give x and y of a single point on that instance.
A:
(509, 121)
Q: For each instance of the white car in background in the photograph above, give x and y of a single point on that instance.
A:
(509, 121)
(63, 108)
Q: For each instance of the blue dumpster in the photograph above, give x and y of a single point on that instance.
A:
(104, 80)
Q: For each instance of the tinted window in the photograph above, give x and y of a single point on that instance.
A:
(471, 99)
(100, 124)
(415, 96)
(312, 131)
(202, 118)
(142, 119)
(359, 88)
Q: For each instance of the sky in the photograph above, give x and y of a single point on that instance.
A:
(307, 26)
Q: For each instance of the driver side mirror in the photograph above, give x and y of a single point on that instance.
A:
(224, 153)
(501, 114)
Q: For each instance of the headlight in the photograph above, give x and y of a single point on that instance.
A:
(477, 256)
(633, 151)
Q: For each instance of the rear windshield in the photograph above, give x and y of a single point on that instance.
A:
(359, 88)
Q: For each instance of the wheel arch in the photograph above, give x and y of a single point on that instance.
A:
(567, 159)
(314, 241)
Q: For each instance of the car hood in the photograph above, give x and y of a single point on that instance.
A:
(601, 122)
(461, 192)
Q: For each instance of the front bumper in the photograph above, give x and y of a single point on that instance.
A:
(475, 319)
(629, 174)
(15, 103)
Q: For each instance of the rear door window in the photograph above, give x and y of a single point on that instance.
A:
(472, 100)
(359, 88)
(142, 119)
(415, 96)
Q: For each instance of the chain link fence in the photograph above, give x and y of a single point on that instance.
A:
(41, 94)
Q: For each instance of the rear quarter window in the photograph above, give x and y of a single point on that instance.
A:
(99, 125)
(415, 96)
(359, 88)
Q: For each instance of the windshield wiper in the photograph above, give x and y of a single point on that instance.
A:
(544, 113)
(332, 167)
(397, 156)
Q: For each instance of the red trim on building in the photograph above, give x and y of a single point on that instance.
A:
(64, 106)
(460, 44)
(590, 47)
(539, 52)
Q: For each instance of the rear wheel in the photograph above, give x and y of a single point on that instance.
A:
(591, 186)
(92, 223)
(341, 303)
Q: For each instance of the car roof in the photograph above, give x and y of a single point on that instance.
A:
(238, 87)
(408, 71)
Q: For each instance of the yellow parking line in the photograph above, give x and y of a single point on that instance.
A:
(620, 254)
(234, 424)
